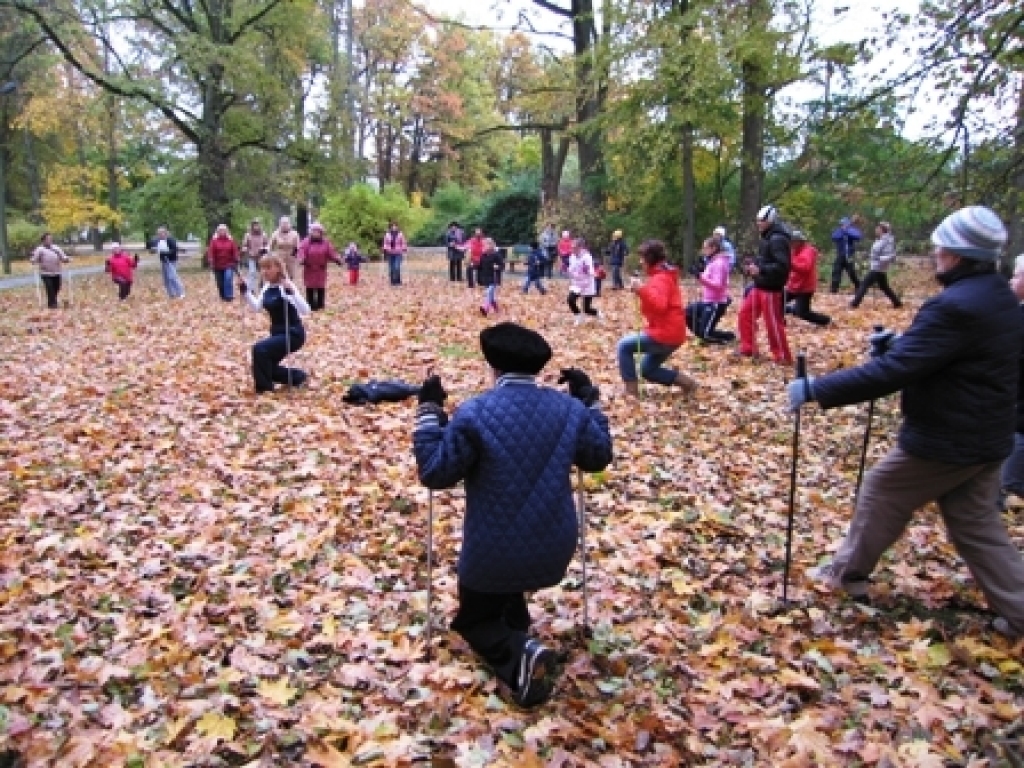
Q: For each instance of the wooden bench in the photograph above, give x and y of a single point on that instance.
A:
(517, 254)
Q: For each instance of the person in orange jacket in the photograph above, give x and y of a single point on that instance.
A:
(661, 303)
(803, 280)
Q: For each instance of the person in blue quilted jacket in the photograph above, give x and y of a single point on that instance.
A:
(515, 447)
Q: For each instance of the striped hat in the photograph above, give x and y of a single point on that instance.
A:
(974, 232)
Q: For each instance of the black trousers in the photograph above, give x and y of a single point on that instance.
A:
(470, 275)
(549, 266)
(882, 281)
(702, 318)
(840, 265)
(617, 283)
(588, 304)
(801, 307)
(52, 285)
(266, 361)
(455, 270)
(315, 298)
(123, 290)
(495, 626)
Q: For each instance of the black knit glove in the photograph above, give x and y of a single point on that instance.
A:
(580, 386)
(242, 287)
(432, 391)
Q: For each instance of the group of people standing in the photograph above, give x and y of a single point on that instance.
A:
(308, 256)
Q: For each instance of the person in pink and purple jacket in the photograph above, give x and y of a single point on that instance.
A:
(702, 317)
(315, 253)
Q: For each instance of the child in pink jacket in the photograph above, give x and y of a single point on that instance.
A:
(702, 317)
(121, 265)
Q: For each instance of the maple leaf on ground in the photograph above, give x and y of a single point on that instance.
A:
(217, 726)
(279, 691)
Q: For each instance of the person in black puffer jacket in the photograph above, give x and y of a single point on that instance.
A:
(1012, 478)
(515, 447)
(957, 367)
(770, 271)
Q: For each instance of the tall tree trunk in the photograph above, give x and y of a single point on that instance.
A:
(113, 190)
(552, 162)
(1015, 197)
(588, 89)
(35, 182)
(688, 229)
(751, 156)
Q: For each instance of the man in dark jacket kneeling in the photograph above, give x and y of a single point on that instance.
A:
(957, 368)
(515, 447)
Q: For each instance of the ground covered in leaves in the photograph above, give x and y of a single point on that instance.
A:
(194, 576)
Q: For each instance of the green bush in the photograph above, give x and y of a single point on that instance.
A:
(450, 203)
(511, 216)
(22, 237)
(361, 215)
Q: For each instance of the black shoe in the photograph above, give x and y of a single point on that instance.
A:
(536, 676)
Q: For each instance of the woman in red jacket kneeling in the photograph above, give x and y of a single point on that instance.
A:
(661, 303)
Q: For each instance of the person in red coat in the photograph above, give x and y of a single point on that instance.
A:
(222, 254)
(315, 252)
(475, 248)
(803, 280)
(661, 303)
(121, 266)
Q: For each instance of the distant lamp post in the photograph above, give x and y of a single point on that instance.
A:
(5, 256)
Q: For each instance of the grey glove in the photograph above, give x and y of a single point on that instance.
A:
(801, 391)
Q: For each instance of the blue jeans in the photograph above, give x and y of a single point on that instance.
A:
(172, 283)
(651, 367)
(225, 288)
(528, 281)
(395, 268)
(491, 296)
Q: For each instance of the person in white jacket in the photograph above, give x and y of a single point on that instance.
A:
(581, 281)
(280, 298)
(49, 260)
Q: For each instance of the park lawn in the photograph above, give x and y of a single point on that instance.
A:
(193, 575)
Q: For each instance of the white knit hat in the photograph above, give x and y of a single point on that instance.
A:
(974, 232)
(767, 213)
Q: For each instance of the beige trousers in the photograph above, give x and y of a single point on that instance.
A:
(899, 485)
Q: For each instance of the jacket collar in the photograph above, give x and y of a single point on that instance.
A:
(507, 379)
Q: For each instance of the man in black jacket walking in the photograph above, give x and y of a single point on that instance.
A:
(957, 369)
(769, 271)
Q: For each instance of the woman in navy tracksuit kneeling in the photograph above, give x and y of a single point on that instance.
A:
(281, 300)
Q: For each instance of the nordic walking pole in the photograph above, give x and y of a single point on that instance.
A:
(867, 429)
(287, 334)
(801, 373)
(430, 573)
(70, 301)
(582, 514)
(39, 288)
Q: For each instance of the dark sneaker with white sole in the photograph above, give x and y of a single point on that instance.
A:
(535, 681)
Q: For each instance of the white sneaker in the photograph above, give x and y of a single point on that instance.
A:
(579, 319)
